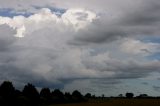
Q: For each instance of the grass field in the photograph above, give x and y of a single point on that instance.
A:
(117, 102)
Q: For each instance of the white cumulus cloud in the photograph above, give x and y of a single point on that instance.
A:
(75, 18)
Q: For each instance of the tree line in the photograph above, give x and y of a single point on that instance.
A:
(30, 96)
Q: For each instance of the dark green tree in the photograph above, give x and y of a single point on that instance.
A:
(88, 95)
(31, 93)
(58, 96)
(68, 97)
(77, 96)
(143, 96)
(45, 95)
(7, 90)
(129, 95)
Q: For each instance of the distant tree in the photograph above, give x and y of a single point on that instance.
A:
(93, 96)
(45, 95)
(103, 95)
(129, 95)
(143, 96)
(18, 93)
(57, 96)
(7, 90)
(31, 93)
(67, 94)
(45, 92)
(29, 96)
(120, 95)
(88, 95)
(76, 93)
(68, 97)
(77, 96)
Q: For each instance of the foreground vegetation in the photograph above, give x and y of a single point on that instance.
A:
(116, 102)
(30, 96)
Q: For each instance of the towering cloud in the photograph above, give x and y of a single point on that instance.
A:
(74, 18)
(64, 45)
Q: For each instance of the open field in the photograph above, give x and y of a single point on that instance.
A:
(117, 102)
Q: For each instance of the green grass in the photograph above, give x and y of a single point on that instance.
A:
(117, 102)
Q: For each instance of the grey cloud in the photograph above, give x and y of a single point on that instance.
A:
(145, 83)
(122, 18)
(141, 20)
(146, 15)
(6, 37)
(135, 70)
(99, 35)
(63, 59)
(93, 86)
(23, 76)
(124, 69)
(156, 88)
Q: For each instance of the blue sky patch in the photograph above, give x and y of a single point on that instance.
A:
(57, 11)
(154, 56)
(153, 39)
(9, 12)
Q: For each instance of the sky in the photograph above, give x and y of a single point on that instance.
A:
(99, 46)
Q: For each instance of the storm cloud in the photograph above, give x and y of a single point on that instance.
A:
(98, 44)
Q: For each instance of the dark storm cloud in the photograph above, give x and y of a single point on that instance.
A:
(133, 71)
(99, 35)
(56, 53)
(141, 20)
(145, 18)
(156, 88)
(18, 61)
(145, 83)
(23, 76)
(123, 69)
(145, 15)
(106, 81)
